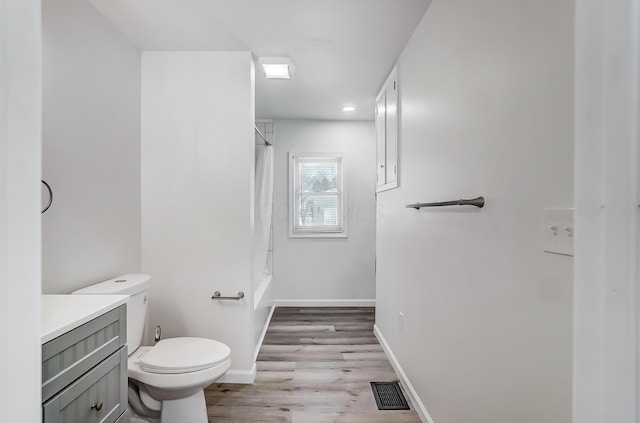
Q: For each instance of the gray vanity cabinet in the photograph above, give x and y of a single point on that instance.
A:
(84, 372)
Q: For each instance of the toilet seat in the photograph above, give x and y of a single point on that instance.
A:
(172, 382)
(184, 355)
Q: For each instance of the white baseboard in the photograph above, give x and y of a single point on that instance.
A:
(264, 332)
(247, 376)
(408, 388)
(324, 303)
(239, 376)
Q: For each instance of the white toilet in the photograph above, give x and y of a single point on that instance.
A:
(169, 378)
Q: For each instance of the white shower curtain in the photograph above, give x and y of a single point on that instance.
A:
(263, 209)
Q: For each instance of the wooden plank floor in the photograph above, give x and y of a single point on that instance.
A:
(314, 366)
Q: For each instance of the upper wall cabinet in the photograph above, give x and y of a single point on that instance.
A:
(387, 133)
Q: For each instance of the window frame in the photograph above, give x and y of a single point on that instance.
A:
(317, 231)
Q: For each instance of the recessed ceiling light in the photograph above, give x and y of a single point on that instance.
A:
(276, 67)
(348, 109)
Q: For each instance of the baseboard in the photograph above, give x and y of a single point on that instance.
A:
(239, 376)
(264, 332)
(408, 388)
(324, 303)
(248, 376)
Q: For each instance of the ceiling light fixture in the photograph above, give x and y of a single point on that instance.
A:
(348, 109)
(276, 67)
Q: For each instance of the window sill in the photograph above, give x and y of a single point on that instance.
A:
(318, 235)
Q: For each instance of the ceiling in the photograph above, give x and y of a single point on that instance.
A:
(342, 49)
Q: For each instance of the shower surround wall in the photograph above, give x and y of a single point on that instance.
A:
(90, 148)
(198, 196)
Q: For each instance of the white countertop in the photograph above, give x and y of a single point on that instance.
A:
(62, 313)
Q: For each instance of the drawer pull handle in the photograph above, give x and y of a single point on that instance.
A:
(97, 406)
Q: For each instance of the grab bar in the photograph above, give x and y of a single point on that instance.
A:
(50, 196)
(478, 202)
(218, 296)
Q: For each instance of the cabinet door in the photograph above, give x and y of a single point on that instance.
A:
(387, 134)
(100, 396)
(381, 117)
(69, 356)
(391, 95)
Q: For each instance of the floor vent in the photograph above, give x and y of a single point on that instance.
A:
(389, 396)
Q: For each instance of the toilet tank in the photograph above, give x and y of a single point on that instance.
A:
(137, 287)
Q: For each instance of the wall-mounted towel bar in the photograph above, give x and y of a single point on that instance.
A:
(478, 202)
(218, 296)
(50, 196)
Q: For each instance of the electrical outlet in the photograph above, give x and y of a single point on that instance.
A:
(558, 231)
(401, 322)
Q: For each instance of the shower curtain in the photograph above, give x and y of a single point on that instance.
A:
(263, 209)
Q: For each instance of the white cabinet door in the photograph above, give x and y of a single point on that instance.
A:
(380, 139)
(391, 95)
(387, 134)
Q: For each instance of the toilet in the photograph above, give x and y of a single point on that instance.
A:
(167, 379)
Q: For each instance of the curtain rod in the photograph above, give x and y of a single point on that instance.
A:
(267, 143)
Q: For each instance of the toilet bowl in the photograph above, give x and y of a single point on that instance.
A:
(170, 376)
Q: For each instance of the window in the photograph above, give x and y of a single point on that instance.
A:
(317, 195)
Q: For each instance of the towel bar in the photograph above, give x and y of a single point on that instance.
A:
(478, 202)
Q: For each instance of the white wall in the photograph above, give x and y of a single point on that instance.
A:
(20, 126)
(607, 192)
(332, 268)
(486, 91)
(91, 148)
(197, 194)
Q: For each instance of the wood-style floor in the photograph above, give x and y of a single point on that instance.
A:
(314, 366)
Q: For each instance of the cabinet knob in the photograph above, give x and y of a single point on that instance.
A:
(97, 405)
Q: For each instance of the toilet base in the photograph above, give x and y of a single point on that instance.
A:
(138, 419)
(192, 409)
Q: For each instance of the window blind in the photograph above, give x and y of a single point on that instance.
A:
(317, 194)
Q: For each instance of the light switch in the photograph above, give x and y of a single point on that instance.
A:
(401, 322)
(558, 231)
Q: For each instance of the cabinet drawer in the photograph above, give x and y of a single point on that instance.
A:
(104, 386)
(69, 356)
(124, 418)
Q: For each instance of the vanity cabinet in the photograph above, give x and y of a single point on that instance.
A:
(387, 133)
(84, 372)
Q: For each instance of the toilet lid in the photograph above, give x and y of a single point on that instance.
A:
(184, 355)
